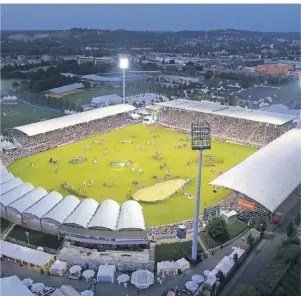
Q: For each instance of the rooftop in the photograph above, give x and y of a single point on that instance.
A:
(235, 112)
(66, 88)
(50, 125)
(269, 175)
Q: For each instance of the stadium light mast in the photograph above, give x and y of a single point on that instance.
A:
(123, 64)
(200, 140)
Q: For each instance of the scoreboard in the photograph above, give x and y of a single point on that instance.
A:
(200, 136)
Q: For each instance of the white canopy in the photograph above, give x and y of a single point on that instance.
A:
(191, 286)
(106, 273)
(123, 278)
(87, 293)
(87, 274)
(183, 264)
(198, 278)
(27, 282)
(37, 288)
(269, 175)
(58, 266)
(167, 266)
(75, 269)
(24, 254)
(142, 279)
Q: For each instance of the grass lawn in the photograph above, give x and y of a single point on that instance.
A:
(36, 238)
(233, 230)
(175, 209)
(173, 251)
(21, 114)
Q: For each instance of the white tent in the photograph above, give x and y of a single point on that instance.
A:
(210, 281)
(75, 269)
(183, 264)
(69, 290)
(37, 288)
(206, 272)
(167, 267)
(106, 273)
(191, 286)
(237, 251)
(58, 268)
(142, 279)
(27, 282)
(224, 266)
(13, 286)
(87, 274)
(198, 278)
(87, 293)
(123, 278)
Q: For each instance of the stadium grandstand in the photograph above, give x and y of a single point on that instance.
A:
(48, 134)
(266, 179)
(234, 124)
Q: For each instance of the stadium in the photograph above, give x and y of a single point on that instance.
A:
(251, 151)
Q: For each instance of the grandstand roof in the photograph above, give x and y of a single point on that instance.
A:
(15, 193)
(106, 216)
(70, 120)
(63, 209)
(107, 99)
(44, 205)
(66, 88)
(82, 215)
(28, 200)
(6, 177)
(235, 112)
(131, 216)
(9, 185)
(271, 174)
(101, 78)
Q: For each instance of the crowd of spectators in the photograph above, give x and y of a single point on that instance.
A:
(223, 127)
(42, 142)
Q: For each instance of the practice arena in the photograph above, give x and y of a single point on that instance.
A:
(255, 179)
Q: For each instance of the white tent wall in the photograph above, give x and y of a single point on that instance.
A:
(31, 222)
(13, 215)
(50, 226)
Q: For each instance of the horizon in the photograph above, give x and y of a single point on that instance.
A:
(267, 18)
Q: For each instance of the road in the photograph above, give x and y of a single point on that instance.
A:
(260, 257)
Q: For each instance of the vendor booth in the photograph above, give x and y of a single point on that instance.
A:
(58, 268)
(106, 273)
(167, 267)
(183, 264)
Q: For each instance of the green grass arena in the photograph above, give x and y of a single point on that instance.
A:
(175, 209)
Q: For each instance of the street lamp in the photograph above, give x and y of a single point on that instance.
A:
(200, 140)
(123, 64)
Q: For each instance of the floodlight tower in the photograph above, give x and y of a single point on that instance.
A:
(123, 64)
(200, 140)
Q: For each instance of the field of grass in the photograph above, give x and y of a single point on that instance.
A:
(174, 251)
(233, 230)
(175, 209)
(36, 238)
(21, 114)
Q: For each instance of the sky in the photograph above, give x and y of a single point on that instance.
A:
(152, 17)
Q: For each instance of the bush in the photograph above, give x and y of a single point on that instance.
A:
(217, 228)
(250, 240)
(290, 229)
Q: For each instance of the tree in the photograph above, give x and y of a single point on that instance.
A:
(235, 258)
(250, 240)
(221, 277)
(208, 74)
(86, 84)
(290, 229)
(15, 84)
(217, 228)
(297, 219)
